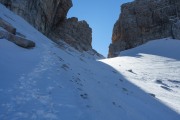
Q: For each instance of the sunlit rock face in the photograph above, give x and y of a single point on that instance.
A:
(50, 18)
(144, 20)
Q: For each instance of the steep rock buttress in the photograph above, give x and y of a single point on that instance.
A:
(144, 20)
(49, 17)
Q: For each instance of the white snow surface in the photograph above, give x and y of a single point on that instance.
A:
(51, 82)
(155, 68)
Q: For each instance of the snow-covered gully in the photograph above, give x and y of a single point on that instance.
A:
(59, 83)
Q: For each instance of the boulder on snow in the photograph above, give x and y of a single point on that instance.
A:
(22, 42)
(7, 26)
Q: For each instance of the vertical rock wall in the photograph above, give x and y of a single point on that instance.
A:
(42, 14)
(76, 33)
(144, 20)
(49, 17)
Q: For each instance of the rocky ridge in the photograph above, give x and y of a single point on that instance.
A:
(49, 17)
(143, 20)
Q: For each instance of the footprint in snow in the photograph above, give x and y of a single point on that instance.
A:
(166, 88)
(84, 96)
(151, 94)
(131, 71)
(161, 82)
(174, 81)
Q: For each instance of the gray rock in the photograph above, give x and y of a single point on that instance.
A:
(49, 17)
(43, 15)
(7, 26)
(144, 20)
(76, 33)
(22, 42)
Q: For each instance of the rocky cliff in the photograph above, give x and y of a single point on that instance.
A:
(144, 20)
(49, 17)
(76, 33)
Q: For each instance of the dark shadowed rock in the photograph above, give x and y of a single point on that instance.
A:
(42, 14)
(144, 20)
(7, 26)
(76, 33)
(49, 17)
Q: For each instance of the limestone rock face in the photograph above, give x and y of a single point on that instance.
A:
(42, 14)
(144, 20)
(76, 33)
(49, 17)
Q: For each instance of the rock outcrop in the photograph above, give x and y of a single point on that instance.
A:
(42, 14)
(22, 42)
(144, 20)
(49, 17)
(5, 25)
(8, 32)
(76, 33)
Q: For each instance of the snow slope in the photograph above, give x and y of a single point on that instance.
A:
(51, 82)
(155, 68)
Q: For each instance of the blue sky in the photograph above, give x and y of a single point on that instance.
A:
(101, 15)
